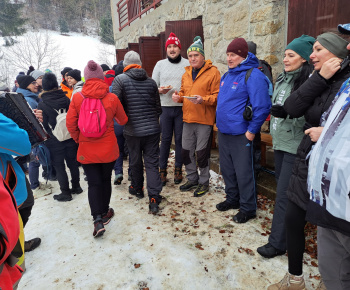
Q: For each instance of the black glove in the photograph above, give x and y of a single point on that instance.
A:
(278, 111)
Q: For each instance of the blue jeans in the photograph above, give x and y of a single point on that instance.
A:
(118, 130)
(171, 122)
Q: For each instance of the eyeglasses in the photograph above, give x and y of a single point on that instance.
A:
(34, 83)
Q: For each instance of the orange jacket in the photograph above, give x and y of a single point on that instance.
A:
(206, 84)
(96, 150)
(67, 89)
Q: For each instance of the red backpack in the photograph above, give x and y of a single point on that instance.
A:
(92, 120)
(10, 247)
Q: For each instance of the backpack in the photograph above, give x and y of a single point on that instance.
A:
(92, 120)
(60, 131)
(266, 69)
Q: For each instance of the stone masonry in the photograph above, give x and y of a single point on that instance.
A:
(262, 21)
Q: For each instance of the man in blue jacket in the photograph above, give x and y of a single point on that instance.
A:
(244, 88)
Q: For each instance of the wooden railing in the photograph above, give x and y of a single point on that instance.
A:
(129, 10)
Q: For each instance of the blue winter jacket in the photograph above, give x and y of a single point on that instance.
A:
(233, 97)
(13, 141)
(30, 97)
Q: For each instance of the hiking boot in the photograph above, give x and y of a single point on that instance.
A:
(153, 206)
(99, 228)
(62, 197)
(137, 192)
(118, 179)
(32, 244)
(45, 185)
(177, 175)
(39, 192)
(201, 190)
(76, 190)
(241, 217)
(289, 282)
(188, 186)
(106, 218)
(269, 251)
(225, 205)
(163, 175)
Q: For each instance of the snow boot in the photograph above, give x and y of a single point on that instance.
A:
(163, 175)
(177, 175)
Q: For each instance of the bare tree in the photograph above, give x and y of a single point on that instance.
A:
(4, 69)
(37, 49)
(106, 54)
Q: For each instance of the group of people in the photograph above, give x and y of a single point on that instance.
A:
(185, 98)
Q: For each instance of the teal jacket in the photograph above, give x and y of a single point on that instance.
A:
(13, 141)
(286, 133)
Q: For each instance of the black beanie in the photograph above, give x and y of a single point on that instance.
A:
(105, 67)
(31, 68)
(25, 81)
(49, 82)
(65, 70)
(75, 74)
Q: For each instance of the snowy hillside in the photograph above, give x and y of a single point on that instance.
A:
(73, 50)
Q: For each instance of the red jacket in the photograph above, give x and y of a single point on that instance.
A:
(96, 150)
(109, 77)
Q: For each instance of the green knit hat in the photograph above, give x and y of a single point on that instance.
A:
(197, 45)
(302, 46)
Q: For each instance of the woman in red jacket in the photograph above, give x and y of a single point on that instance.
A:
(97, 155)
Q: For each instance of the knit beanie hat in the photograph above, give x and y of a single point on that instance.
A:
(24, 81)
(65, 70)
(105, 67)
(75, 74)
(334, 43)
(172, 39)
(302, 46)
(132, 57)
(238, 46)
(93, 70)
(31, 68)
(49, 82)
(36, 74)
(252, 47)
(197, 45)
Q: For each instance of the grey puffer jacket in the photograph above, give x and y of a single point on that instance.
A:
(139, 96)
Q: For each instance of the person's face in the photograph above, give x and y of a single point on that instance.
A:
(196, 59)
(348, 47)
(173, 51)
(320, 55)
(65, 76)
(71, 81)
(292, 61)
(39, 80)
(233, 60)
(33, 87)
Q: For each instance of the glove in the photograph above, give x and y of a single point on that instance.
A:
(278, 111)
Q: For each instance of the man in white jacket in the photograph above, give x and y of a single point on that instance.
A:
(168, 73)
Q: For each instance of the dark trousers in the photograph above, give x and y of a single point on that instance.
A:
(237, 168)
(118, 131)
(148, 148)
(26, 208)
(171, 122)
(34, 174)
(65, 151)
(99, 177)
(295, 224)
(284, 162)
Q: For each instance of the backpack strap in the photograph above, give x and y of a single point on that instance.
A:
(247, 76)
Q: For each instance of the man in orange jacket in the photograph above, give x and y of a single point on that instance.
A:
(199, 89)
(64, 85)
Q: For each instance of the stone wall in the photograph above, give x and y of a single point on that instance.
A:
(262, 21)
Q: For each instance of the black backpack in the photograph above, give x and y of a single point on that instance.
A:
(266, 69)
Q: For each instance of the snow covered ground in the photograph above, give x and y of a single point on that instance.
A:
(188, 245)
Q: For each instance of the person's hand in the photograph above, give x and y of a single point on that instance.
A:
(249, 136)
(38, 114)
(161, 90)
(176, 97)
(278, 111)
(199, 99)
(330, 67)
(314, 133)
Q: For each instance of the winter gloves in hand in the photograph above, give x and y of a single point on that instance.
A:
(278, 111)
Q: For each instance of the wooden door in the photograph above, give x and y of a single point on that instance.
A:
(150, 52)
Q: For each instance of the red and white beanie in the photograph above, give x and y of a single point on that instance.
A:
(172, 39)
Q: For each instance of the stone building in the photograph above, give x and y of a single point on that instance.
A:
(262, 21)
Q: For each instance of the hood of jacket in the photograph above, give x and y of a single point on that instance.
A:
(28, 94)
(95, 88)
(138, 74)
(56, 99)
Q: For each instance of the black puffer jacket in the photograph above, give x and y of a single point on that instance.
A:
(140, 98)
(51, 101)
(311, 100)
